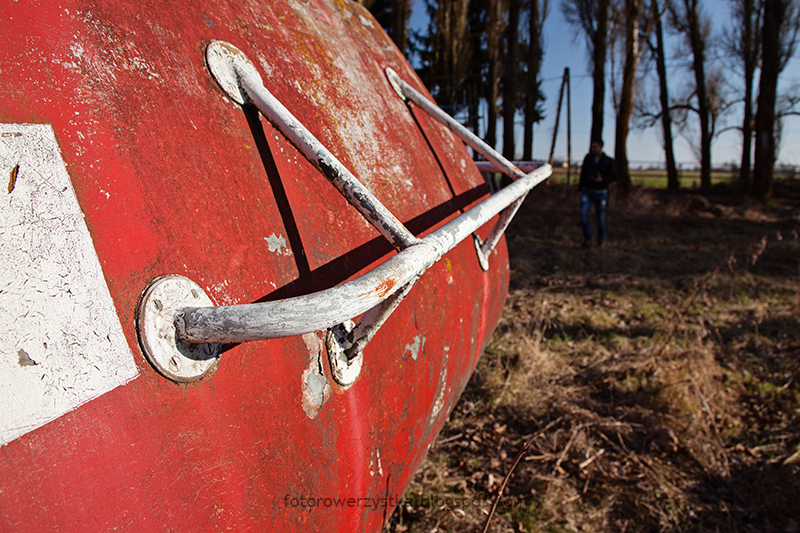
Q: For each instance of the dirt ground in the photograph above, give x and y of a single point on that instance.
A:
(652, 384)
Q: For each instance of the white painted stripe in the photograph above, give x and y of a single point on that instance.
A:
(61, 342)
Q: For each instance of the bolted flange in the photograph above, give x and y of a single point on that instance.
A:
(155, 326)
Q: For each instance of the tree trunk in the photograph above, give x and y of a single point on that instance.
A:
(666, 120)
(493, 36)
(510, 78)
(767, 91)
(750, 52)
(698, 44)
(401, 12)
(632, 12)
(599, 70)
(532, 92)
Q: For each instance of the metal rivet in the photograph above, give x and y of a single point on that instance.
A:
(158, 305)
(175, 363)
(194, 293)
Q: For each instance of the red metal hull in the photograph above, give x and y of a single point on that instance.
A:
(175, 179)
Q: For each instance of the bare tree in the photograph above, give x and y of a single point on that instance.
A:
(744, 42)
(495, 26)
(401, 11)
(688, 21)
(537, 15)
(510, 77)
(718, 102)
(445, 52)
(393, 15)
(637, 27)
(666, 119)
(648, 114)
(591, 16)
(779, 38)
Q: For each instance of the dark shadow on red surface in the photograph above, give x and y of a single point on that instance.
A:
(342, 268)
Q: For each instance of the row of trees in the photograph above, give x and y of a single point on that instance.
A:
(489, 52)
(477, 53)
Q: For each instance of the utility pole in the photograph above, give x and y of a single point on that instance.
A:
(558, 113)
(565, 84)
(569, 124)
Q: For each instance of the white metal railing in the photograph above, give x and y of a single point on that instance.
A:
(173, 323)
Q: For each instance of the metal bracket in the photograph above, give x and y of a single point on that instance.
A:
(483, 259)
(346, 342)
(155, 326)
(345, 370)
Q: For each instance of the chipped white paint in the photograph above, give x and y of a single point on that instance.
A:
(365, 21)
(439, 402)
(61, 342)
(375, 466)
(316, 389)
(525, 166)
(277, 244)
(414, 347)
(221, 292)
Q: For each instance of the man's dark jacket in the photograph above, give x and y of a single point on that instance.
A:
(605, 166)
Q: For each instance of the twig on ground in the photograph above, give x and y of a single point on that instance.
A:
(566, 448)
(521, 452)
(705, 405)
(448, 439)
(590, 460)
(724, 464)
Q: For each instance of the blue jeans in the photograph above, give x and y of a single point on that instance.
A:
(600, 200)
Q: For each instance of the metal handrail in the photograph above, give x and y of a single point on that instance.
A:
(375, 294)
(321, 310)
(410, 94)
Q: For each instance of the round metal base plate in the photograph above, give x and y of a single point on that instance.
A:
(155, 325)
(223, 60)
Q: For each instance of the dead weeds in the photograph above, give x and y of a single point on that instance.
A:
(653, 383)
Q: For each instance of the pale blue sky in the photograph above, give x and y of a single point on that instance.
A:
(644, 147)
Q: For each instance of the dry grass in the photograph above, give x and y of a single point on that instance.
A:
(667, 364)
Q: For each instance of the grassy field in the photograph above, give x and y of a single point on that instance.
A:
(653, 179)
(653, 384)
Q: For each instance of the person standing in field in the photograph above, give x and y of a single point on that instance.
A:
(597, 172)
